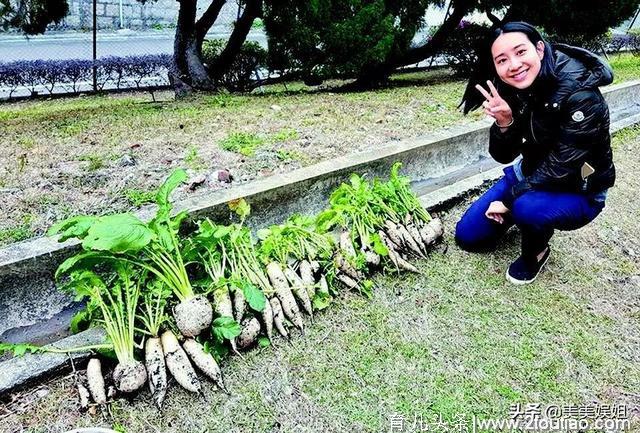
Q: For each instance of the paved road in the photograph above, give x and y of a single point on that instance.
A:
(79, 46)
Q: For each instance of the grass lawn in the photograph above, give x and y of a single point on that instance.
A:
(455, 341)
(96, 154)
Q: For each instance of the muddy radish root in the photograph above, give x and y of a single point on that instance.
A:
(249, 334)
(315, 266)
(95, 380)
(415, 235)
(193, 315)
(323, 285)
(306, 274)
(129, 376)
(299, 290)
(393, 234)
(394, 255)
(224, 308)
(239, 304)
(83, 395)
(156, 370)
(267, 318)
(409, 242)
(432, 231)
(204, 361)
(346, 244)
(371, 258)
(278, 317)
(343, 265)
(178, 363)
(437, 226)
(348, 281)
(284, 294)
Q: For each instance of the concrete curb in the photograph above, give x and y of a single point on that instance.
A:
(26, 268)
(16, 372)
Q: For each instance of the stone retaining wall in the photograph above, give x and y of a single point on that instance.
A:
(135, 15)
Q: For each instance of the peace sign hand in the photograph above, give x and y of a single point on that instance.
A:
(495, 106)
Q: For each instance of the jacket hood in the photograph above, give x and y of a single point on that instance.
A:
(577, 69)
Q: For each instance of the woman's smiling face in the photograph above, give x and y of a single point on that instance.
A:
(516, 59)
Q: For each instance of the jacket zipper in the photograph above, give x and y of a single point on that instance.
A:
(532, 133)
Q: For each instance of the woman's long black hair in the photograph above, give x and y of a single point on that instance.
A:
(485, 69)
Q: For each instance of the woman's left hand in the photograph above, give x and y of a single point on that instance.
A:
(496, 211)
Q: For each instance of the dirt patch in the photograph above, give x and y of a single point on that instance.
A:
(95, 155)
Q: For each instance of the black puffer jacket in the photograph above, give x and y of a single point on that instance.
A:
(561, 128)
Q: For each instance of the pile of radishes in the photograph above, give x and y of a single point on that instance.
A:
(184, 302)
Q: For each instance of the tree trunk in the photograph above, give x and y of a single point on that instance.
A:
(187, 71)
(242, 28)
(515, 13)
(377, 74)
(207, 20)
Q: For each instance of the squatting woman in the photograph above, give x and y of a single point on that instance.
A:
(548, 109)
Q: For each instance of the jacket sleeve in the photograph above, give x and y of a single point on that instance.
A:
(505, 146)
(582, 123)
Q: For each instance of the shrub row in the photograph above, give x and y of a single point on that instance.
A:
(31, 74)
(243, 72)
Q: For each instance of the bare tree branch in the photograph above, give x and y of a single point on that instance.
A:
(252, 10)
(415, 55)
(208, 18)
(494, 19)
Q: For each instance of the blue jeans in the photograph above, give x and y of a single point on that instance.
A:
(536, 213)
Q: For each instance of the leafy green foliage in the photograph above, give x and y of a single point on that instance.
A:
(321, 300)
(238, 78)
(18, 233)
(193, 160)
(118, 234)
(115, 233)
(32, 17)
(112, 303)
(86, 260)
(80, 321)
(18, 349)
(96, 162)
(162, 197)
(571, 18)
(329, 38)
(137, 198)
(75, 227)
(356, 205)
(225, 328)
(254, 296)
(217, 348)
(461, 49)
(397, 193)
(362, 207)
(155, 295)
(242, 142)
(286, 134)
(122, 238)
(298, 238)
(240, 208)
